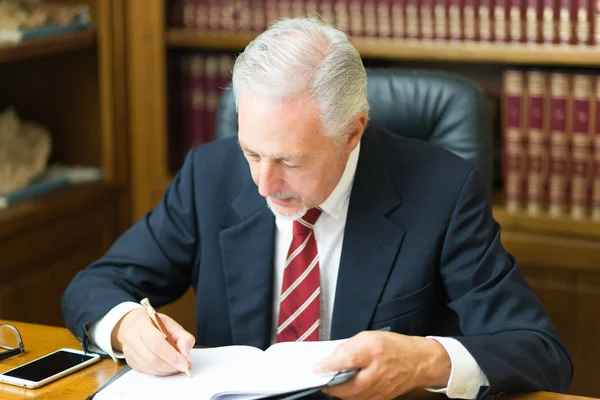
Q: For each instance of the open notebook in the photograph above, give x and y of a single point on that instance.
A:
(235, 372)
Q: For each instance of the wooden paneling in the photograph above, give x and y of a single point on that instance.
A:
(39, 261)
(572, 298)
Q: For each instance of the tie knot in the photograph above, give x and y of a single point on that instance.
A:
(302, 226)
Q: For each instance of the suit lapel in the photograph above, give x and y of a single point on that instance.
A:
(247, 254)
(371, 242)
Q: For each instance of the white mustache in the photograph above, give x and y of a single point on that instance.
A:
(279, 195)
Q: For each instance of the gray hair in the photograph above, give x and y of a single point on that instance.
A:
(306, 56)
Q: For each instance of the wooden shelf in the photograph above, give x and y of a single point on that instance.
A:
(54, 204)
(47, 46)
(394, 49)
(563, 227)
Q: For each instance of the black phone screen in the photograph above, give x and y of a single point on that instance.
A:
(47, 366)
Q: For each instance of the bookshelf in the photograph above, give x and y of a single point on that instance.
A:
(48, 46)
(559, 257)
(393, 49)
(72, 84)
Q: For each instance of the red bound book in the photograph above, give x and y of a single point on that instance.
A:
(201, 14)
(426, 20)
(533, 15)
(199, 97)
(500, 21)
(189, 13)
(516, 21)
(581, 156)
(537, 143)
(398, 19)
(470, 20)
(228, 22)
(485, 20)
(271, 11)
(411, 18)
(549, 34)
(370, 18)
(342, 15)
(565, 27)
(211, 72)
(243, 16)
(384, 21)
(560, 99)
(258, 15)
(596, 150)
(298, 10)
(355, 11)
(583, 22)
(214, 14)
(326, 9)
(311, 7)
(515, 151)
(596, 22)
(440, 20)
(285, 8)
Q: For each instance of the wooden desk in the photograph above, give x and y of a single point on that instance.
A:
(42, 339)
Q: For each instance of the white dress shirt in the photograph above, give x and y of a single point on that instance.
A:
(465, 378)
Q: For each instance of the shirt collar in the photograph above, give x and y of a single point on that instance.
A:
(341, 194)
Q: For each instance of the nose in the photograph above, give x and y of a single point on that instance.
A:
(268, 178)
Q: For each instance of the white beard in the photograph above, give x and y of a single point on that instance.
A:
(292, 217)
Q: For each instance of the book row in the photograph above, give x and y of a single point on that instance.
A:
(551, 149)
(566, 22)
(195, 81)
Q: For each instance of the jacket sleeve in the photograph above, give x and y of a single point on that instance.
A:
(504, 325)
(153, 259)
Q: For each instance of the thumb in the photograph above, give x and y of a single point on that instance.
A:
(182, 338)
(344, 357)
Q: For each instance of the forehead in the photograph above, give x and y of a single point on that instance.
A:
(278, 127)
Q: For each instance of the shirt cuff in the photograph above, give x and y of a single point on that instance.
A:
(99, 333)
(466, 378)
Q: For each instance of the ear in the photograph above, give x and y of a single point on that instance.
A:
(356, 131)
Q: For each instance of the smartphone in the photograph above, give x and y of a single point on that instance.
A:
(48, 368)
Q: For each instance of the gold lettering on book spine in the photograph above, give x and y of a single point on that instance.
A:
(441, 21)
(559, 150)
(485, 30)
(469, 25)
(583, 26)
(383, 18)
(398, 18)
(531, 24)
(548, 24)
(564, 25)
(515, 24)
(500, 23)
(454, 17)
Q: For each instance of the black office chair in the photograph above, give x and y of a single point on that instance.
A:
(442, 108)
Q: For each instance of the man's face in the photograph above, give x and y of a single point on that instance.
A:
(293, 164)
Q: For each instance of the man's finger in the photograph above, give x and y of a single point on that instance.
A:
(141, 359)
(156, 343)
(184, 340)
(348, 355)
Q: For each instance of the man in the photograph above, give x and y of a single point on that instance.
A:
(314, 226)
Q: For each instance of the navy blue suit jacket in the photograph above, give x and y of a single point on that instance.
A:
(421, 254)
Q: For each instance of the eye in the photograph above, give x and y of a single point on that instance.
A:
(253, 157)
(291, 166)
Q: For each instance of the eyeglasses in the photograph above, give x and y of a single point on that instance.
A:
(11, 342)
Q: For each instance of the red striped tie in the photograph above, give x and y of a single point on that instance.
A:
(300, 292)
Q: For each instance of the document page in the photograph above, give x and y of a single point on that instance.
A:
(213, 371)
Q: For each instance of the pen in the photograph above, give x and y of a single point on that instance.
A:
(160, 326)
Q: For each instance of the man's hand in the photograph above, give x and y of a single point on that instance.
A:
(391, 364)
(146, 349)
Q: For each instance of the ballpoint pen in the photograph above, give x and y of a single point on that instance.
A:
(160, 326)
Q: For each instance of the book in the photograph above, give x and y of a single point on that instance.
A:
(236, 372)
(55, 177)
